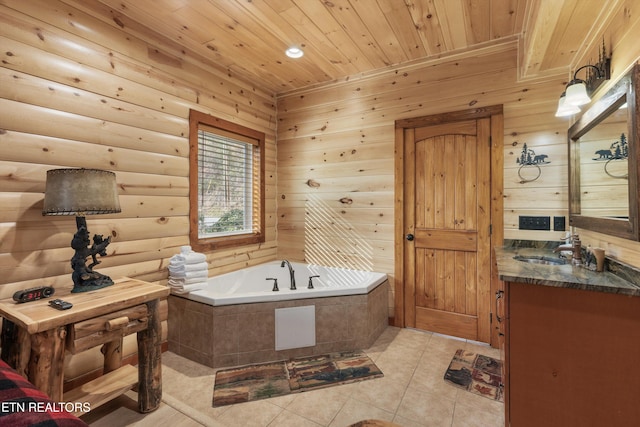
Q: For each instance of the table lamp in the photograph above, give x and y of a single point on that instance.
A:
(83, 192)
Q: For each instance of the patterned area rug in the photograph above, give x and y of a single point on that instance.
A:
(254, 382)
(476, 373)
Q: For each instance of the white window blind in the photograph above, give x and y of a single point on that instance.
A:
(225, 185)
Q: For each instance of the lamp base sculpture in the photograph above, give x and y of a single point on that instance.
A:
(84, 278)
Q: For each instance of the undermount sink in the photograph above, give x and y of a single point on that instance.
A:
(540, 260)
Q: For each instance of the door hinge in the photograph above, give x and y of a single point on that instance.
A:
(490, 229)
(490, 141)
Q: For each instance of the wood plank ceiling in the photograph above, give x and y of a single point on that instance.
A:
(349, 38)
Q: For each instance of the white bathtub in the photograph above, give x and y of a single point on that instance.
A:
(249, 285)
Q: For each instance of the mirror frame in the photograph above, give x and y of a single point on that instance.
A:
(601, 109)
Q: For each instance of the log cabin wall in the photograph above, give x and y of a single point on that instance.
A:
(336, 149)
(77, 91)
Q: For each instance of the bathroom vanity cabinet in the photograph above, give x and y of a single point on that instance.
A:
(571, 342)
(571, 357)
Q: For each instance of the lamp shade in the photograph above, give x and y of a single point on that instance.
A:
(577, 93)
(80, 192)
(565, 109)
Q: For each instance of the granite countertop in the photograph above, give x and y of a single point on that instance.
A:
(561, 276)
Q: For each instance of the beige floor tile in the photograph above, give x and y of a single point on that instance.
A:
(481, 403)
(186, 380)
(320, 406)
(428, 408)
(384, 393)
(435, 360)
(468, 416)
(289, 419)
(412, 393)
(123, 411)
(283, 401)
(446, 344)
(179, 420)
(200, 417)
(250, 414)
(197, 391)
(354, 411)
(406, 422)
(397, 366)
(411, 339)
(432, 381)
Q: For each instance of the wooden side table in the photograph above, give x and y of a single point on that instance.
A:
(35, 336)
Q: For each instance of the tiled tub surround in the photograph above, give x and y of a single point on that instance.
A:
(230, 335)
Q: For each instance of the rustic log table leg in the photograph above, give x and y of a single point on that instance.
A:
(149, 362)
(46, 364)
(112, 355)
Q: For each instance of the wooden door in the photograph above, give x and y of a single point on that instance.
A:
(447, 205)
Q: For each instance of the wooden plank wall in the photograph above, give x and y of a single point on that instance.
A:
(76, 91)
(336, 150)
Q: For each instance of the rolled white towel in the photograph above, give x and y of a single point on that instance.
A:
(188, 258)
(187, 280)
(183, 268)
(203, 274)
(178, 287)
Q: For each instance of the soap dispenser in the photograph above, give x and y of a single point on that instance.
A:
(577, 250)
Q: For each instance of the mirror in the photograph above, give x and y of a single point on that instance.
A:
(603, 163)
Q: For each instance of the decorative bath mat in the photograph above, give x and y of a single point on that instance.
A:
(254, 382)
(476, 373)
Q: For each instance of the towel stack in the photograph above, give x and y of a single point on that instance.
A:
(188, 271)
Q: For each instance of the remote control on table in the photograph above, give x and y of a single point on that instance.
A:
(60, 305)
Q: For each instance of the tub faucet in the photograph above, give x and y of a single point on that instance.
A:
(575, 247)
(291, 274)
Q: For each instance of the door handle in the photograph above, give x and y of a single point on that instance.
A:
(499, 296)
(409, 237)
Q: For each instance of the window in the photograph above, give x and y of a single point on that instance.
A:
(226, 183)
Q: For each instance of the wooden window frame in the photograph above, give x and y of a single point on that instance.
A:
(198, 120)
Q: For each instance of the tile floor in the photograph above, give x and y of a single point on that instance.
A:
(412, 393)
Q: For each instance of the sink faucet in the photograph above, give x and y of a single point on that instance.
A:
(575, 247)
(291, 274)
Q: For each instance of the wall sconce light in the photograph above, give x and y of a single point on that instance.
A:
(577, 91)
(83, 192)
(564, 108)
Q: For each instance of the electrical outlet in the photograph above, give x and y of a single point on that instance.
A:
(559, 223)
(535, 223)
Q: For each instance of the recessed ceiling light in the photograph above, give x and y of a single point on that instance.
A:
(294, 52)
